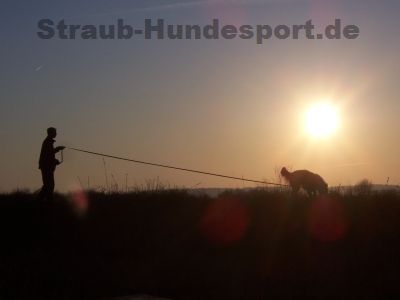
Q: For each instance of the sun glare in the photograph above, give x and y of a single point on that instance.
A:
(321, 120)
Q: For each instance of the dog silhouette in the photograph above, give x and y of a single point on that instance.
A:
(310, 182)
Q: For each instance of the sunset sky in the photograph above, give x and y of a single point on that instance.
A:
(226, 106)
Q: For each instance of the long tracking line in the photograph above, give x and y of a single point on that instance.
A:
(175, 168)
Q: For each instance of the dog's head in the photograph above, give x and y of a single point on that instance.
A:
(285, 172)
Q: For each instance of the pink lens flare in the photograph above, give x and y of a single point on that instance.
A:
(327, 219)
(80, 202)
(225, 221)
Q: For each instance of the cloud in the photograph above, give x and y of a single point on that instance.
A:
(187, 4)
(37, 69)
(183, 4)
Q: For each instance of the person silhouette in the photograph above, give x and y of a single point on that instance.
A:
(48, 163)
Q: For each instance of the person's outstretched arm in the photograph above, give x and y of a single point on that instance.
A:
(59, 148)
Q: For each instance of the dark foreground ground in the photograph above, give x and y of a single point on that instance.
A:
(242, 245)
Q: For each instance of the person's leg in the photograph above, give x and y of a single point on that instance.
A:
(43, 192)
(51, 185)
(48, 185)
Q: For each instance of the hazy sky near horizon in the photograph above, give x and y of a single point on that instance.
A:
(226, 106)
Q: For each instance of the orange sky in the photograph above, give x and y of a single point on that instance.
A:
(231, 107)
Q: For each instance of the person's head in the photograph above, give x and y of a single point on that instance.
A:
(51, 132)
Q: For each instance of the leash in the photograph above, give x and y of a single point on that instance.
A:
(174, 168)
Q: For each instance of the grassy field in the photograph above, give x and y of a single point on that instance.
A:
(242, 245)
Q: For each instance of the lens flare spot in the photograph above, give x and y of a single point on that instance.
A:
(225, 221)
(80, 202)
(327, 220)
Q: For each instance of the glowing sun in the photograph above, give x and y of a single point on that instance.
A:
(321, 120)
